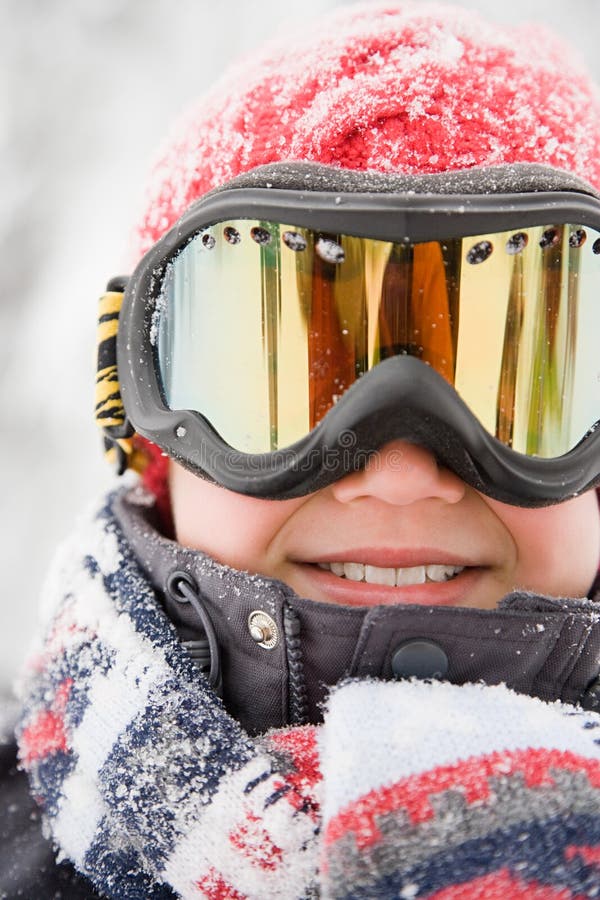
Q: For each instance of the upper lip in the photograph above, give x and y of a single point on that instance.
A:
(394, 558)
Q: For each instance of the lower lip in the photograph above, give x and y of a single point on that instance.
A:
(345, 592)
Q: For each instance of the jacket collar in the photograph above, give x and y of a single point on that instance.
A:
(542, 646)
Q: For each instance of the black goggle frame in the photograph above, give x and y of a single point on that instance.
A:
(401, 398)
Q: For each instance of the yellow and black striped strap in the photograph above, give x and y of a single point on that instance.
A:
(109, 406)
(109, 409)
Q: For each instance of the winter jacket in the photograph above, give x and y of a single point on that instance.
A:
(539, 647)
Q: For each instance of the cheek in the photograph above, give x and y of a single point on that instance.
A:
(558, 547)
(233, 529)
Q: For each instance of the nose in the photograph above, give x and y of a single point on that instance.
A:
(401, 473)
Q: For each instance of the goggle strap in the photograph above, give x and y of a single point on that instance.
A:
(122, 454)
(109, 410)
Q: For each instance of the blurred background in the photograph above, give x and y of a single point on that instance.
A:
(87, 91)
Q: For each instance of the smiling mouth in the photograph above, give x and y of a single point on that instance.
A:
(392, 577)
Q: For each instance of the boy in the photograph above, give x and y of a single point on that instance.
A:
(365, 373)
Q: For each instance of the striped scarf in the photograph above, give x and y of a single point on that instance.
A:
(409, 790)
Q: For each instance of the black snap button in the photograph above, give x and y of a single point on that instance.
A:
(419, 659)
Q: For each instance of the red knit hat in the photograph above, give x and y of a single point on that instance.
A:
(411, 87)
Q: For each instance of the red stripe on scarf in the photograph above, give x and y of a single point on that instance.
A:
(471, 777)
(46, 733)
(503, 886)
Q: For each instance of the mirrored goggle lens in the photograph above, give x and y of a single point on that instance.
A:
(262, 327)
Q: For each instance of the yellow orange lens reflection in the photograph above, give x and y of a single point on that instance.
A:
(263, 337)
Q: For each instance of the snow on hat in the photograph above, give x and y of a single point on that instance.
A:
(412, 87)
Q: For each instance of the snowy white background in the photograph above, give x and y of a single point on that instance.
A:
(86, 93)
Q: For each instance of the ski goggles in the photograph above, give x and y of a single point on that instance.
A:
(296, 320)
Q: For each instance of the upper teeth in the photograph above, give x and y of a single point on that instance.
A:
(393, 577)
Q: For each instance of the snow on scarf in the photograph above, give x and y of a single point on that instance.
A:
(408, 790)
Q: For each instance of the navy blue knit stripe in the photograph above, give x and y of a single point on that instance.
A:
(531, 851)
(159, 739)
(48, 776)
(119, 873)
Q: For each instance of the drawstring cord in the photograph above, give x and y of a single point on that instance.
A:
(181, 587)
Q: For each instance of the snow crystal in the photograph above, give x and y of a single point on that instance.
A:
(160, 306)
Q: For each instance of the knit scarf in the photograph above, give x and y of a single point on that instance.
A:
(408, 789)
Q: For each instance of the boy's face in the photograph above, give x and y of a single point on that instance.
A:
(401, 514)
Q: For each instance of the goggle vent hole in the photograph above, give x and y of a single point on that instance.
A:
(330, 251)
(294, 240)
(479, 253)
(260, 235)
(231, 235)
(517, 243)
(577, 238)
(549, 238)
